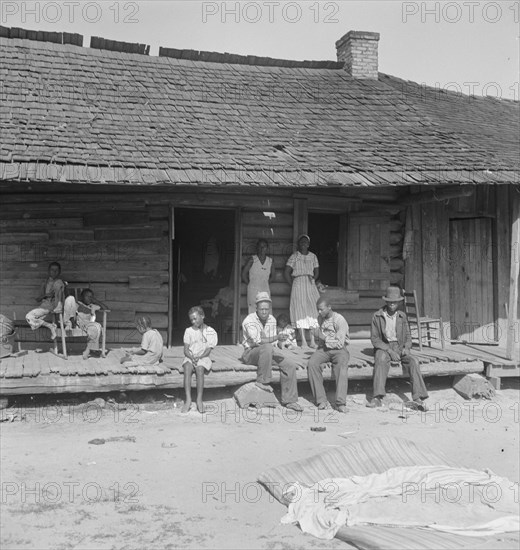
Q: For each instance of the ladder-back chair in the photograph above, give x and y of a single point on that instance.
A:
(422, 324)
(75, 289)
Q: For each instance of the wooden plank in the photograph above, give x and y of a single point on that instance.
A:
(23, 238)
(3, 366)
(115, 217)
(342, 251)
(129, 382)
(171, 276)
(43, 359)
(237, 274)
(31, 223)
(300, 218)
(129, 234)
(412, 252)
(431, 295)
(513, 332)
(503, 258)
(443, 237)
(147, 281)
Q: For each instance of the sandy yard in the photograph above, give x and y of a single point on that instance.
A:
(189, 481)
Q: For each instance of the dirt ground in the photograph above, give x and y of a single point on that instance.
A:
(169, 481)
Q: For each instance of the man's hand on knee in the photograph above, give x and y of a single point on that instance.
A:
(394, 356)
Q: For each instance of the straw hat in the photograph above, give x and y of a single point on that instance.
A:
(262, 297)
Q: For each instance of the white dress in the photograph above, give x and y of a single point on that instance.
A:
(258, 280)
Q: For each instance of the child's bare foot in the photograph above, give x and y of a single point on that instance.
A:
(186, 407)
(200, 407)
(52, 328)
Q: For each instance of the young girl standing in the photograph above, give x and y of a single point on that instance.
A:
(199, 340)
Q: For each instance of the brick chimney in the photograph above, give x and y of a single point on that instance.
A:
(358, 50)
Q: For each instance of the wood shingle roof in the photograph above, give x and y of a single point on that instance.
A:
(76, 114)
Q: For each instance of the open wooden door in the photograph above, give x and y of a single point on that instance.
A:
(472, 304)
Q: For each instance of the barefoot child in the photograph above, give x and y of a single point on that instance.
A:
(151, 350)
(51, 300)
(199, 340)
(83, 314)
(284, 327)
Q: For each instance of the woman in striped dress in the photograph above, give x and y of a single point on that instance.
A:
(301, 272)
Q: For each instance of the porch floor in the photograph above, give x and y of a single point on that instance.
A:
(37, 373)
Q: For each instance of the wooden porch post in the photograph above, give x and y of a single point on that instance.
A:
(171, 236)
(512, 317)
(237, 274)
(300, 222)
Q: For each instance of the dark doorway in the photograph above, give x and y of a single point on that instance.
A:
(324, 234)
(203, 255)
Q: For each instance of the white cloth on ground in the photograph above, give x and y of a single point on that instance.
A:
(455, 500)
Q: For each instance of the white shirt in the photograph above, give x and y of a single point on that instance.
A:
(390, 324)
(254, 330)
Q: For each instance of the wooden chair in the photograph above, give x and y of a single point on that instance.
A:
(422, 324)
(75, 289)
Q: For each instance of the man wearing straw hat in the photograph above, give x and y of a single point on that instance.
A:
(259, 336)
(390, 336)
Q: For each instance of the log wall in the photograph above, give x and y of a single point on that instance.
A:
(428, 251)
(120, 251)
(118, 243)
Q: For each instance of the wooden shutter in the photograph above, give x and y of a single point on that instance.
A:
(368, 262)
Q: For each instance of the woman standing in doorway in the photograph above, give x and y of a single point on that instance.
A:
(301, 272)
(257, 274)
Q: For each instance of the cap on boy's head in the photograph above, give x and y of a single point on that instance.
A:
(263, 297)
(393, 294)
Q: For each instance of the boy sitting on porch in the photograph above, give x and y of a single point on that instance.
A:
(83, 314)
(199, 340)
(390, 336)
(151, 351)
(51, 300)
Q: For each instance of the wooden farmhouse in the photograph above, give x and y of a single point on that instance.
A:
(150, 179)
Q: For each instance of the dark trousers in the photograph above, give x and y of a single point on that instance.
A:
(339, 359)
(263, 356)
(410, 369)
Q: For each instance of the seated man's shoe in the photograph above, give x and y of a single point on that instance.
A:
(375, 403)
(294, 407)
(264, 387)
(416, 405)
(86, 354)
(342, 409)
